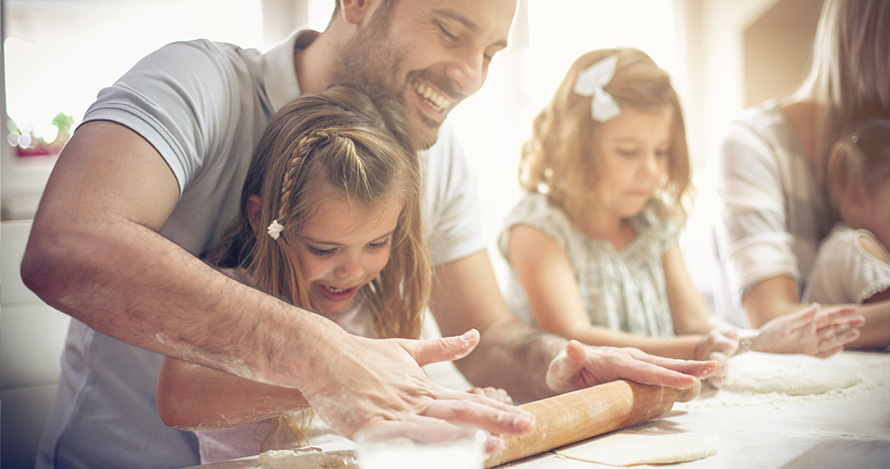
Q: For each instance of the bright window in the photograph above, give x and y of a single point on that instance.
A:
(59, 54)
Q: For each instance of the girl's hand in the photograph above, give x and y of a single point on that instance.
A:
(497, 394)
(718, 345)
(812, 331)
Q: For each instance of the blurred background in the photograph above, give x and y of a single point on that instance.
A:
(724, 55)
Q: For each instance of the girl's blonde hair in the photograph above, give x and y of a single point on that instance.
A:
(849, 76)
(356, 140)
(562, 157)
(859, 161)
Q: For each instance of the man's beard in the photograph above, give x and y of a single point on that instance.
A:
(368, 59)
(363, 60)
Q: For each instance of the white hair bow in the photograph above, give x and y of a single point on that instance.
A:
(590, 82)
(275, 229)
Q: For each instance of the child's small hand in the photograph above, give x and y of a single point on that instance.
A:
(717, 345)
(497, 394)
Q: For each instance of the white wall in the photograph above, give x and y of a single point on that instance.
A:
(714, 57)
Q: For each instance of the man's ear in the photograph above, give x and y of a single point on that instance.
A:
(254, 206)
(357, 12)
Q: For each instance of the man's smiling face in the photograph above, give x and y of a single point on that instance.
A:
(431, 53)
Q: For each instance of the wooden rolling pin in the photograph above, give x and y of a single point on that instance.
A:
(586, 413)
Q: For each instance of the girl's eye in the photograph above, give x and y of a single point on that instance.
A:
(320, 252)
(380, 245)
(626, 153)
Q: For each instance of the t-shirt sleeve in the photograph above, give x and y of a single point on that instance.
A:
(861, 273)
(453, 215)
(870, 277)
(175, 98)
(750, 231)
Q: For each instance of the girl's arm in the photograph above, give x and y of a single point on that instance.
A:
(690, 314)
(195, 397)
(545, 272)
(876, 331)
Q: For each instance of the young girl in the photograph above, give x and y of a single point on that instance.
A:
(593, 244)
(330, 220)
(853, 262)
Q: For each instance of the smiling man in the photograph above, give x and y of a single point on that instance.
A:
(436, 56)
(152, 177)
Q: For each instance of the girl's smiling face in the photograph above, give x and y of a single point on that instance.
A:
(343, 247)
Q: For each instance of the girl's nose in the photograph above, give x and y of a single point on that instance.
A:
(349, 268)
(650, 163)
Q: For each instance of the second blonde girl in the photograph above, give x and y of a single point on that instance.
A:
(593, 244)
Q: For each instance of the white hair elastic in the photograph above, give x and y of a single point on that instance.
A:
(591, 81)
(275, 229)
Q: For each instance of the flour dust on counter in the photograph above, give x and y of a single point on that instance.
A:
(308, 457)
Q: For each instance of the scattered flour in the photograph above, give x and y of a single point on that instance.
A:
(308, 457)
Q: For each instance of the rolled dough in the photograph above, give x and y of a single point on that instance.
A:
(630, 449)
(792, 374)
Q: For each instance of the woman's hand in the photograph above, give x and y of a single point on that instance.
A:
(812, 331)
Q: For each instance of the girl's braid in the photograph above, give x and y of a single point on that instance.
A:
(304, 148)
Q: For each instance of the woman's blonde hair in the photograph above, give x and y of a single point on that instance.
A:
(356, 140)
(859, 163)
(562, 156)
(849, 79)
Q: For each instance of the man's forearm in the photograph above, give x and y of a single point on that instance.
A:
(513, 356)
(127, 281)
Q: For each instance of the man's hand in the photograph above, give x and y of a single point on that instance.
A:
(580, 366)
(377, 383)
(811, 330)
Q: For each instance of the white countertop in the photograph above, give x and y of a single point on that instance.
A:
(843, 428)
